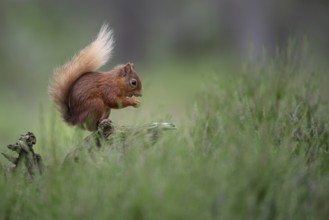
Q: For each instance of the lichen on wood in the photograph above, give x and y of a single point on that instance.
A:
(31, 163)
(27, 160)
(106, 133)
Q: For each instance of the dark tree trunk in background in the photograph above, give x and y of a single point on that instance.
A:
(131, 29)
(184, 28)
(251, 24)
(258, 26)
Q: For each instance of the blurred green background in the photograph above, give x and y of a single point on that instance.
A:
(245, 81)
(172, 43)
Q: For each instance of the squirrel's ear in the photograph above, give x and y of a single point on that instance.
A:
(128, 67)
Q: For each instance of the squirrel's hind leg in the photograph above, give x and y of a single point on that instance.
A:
(94, 113)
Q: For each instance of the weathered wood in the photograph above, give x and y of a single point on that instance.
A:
(106, 132)
(27, 160)
(31, 163)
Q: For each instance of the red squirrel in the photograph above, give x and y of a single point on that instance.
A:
(84, 96)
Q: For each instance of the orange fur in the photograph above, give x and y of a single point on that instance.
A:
(85, 97)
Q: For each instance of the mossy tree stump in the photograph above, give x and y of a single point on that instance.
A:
(31, 163)
(107, 132)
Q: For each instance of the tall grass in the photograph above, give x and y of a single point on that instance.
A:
(254, 146)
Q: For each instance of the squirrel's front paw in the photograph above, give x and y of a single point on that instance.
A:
(135, 102)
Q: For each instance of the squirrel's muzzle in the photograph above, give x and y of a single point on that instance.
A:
(138, 93)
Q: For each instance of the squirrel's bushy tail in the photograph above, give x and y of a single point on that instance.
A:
(89, 59)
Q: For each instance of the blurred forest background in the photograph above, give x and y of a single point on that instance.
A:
(37, 36)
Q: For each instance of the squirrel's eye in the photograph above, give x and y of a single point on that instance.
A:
(133, 82)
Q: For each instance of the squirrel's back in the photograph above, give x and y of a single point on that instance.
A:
(91, 58)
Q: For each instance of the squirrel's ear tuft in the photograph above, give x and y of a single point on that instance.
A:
(128, 67)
